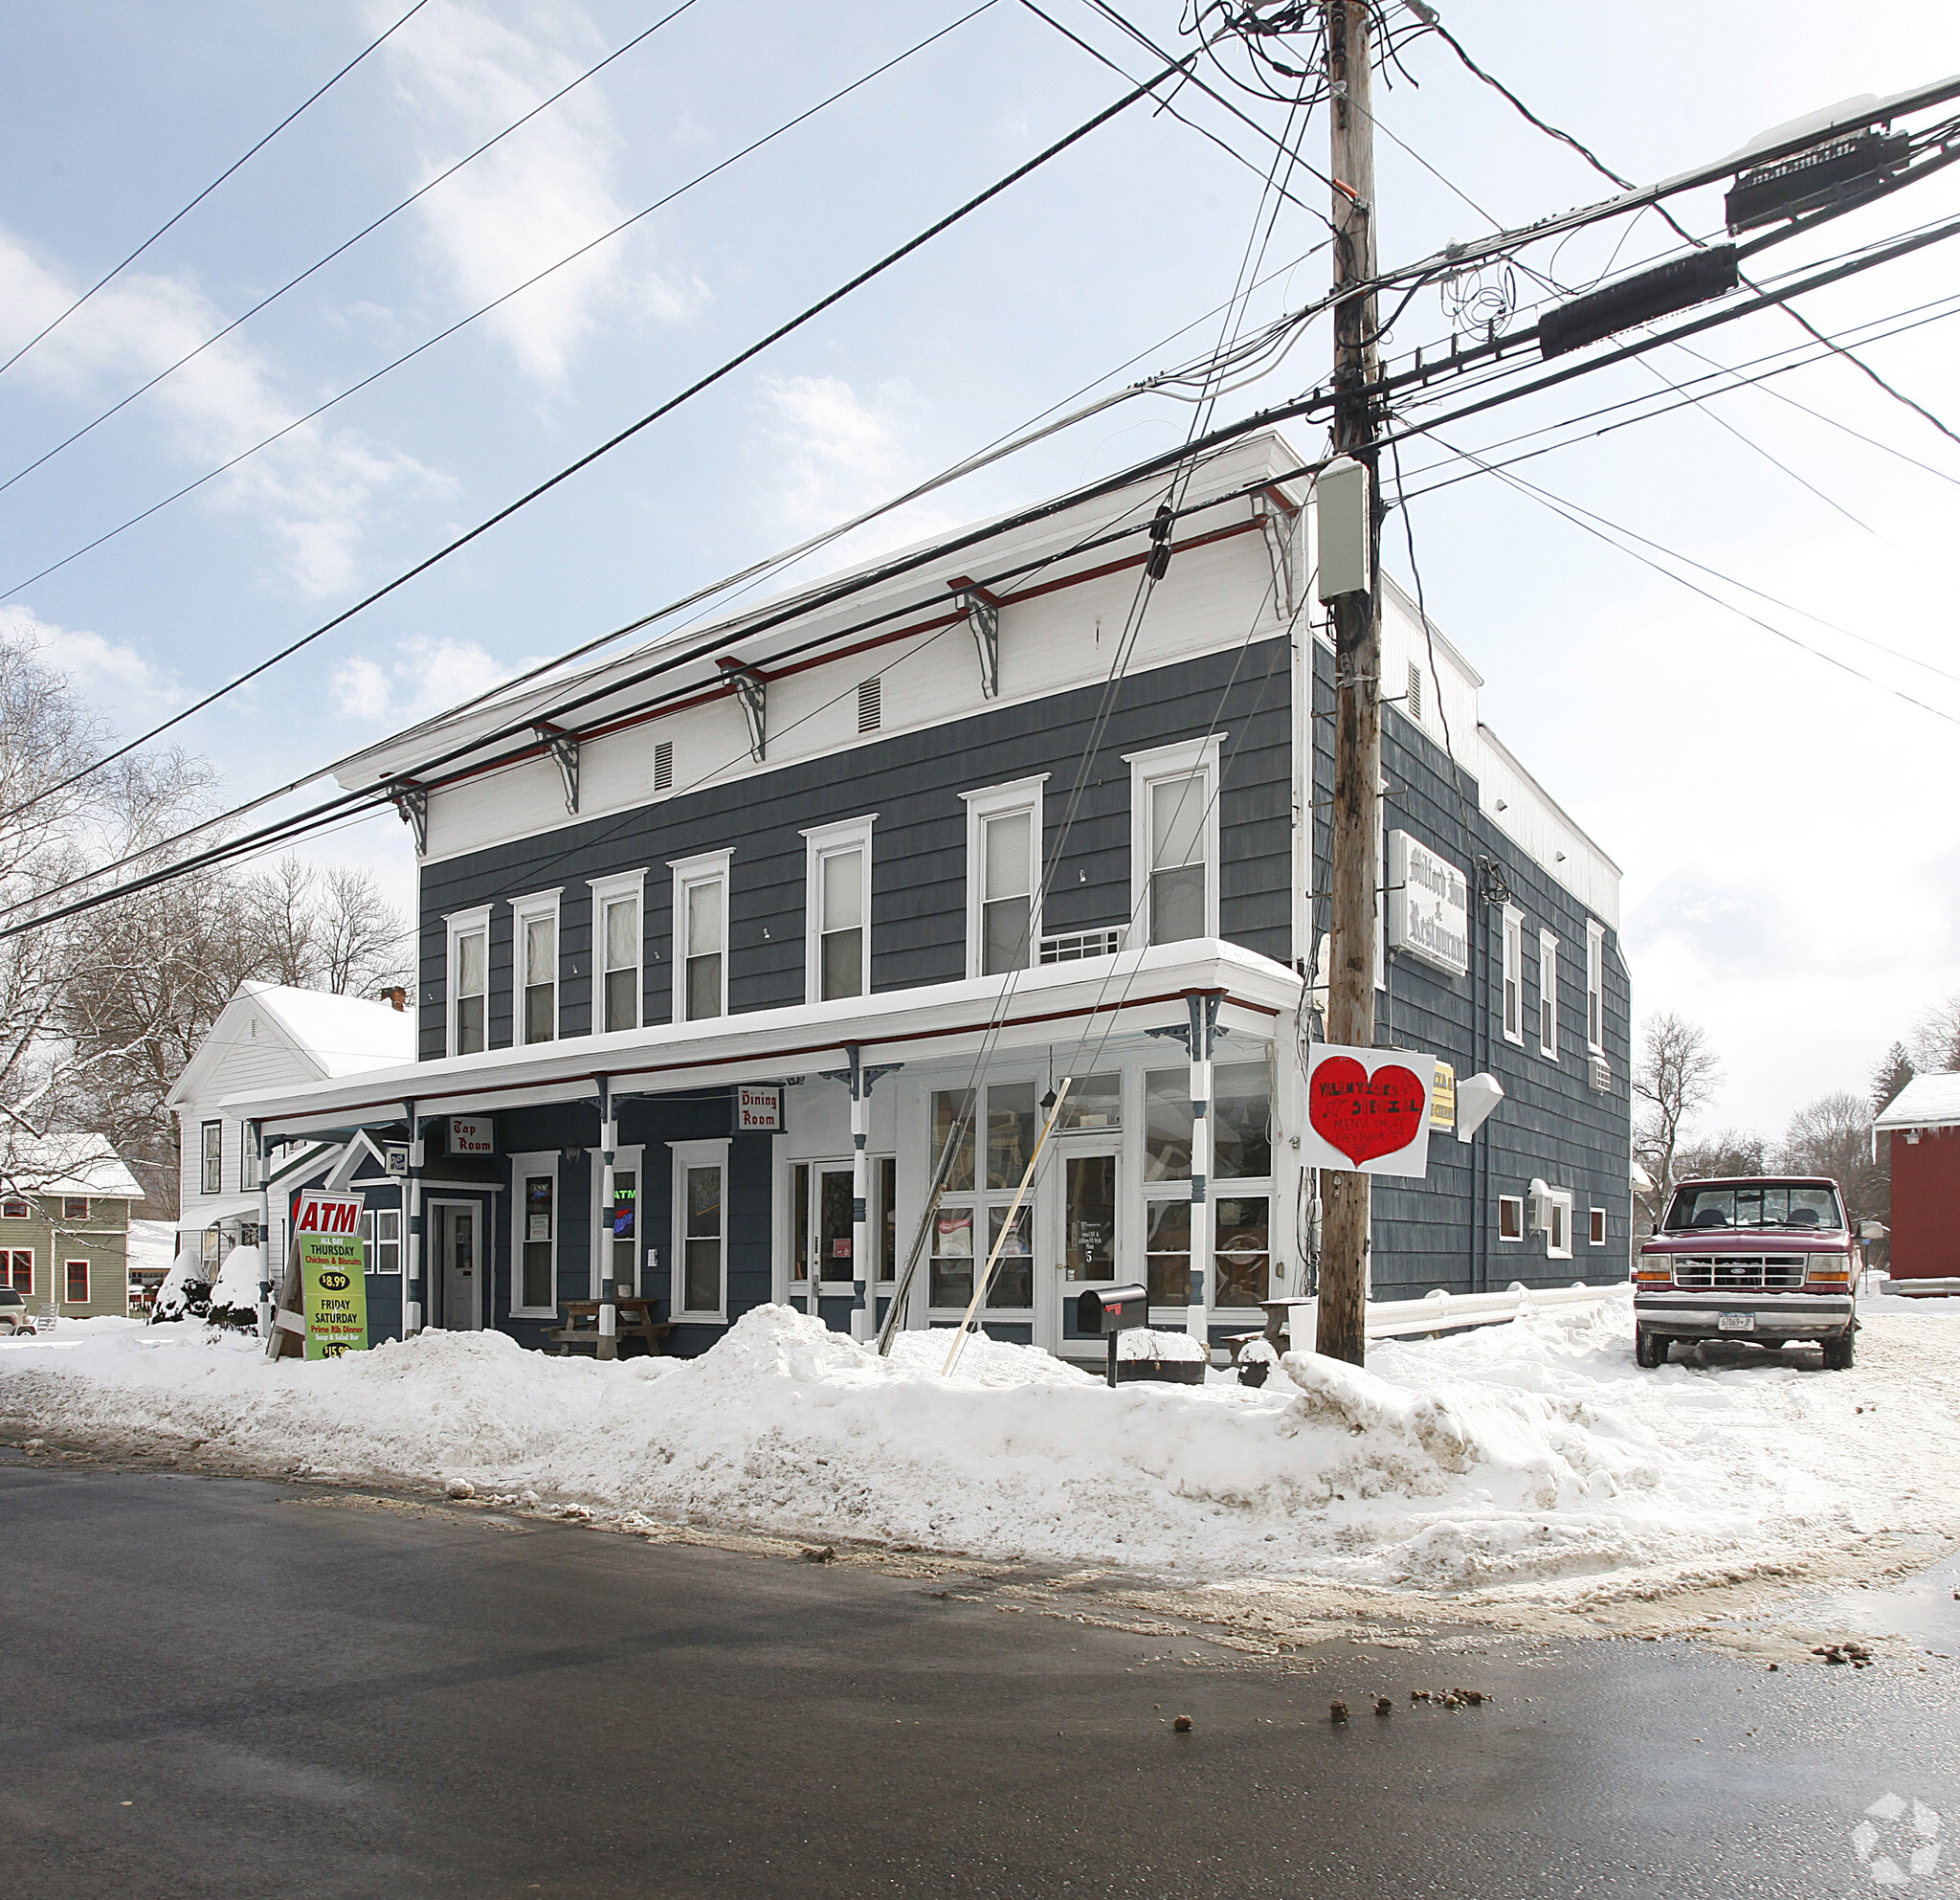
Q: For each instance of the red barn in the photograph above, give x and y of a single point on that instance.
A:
(1922, 1128)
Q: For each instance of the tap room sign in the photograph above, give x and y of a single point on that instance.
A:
(1369, 1110)
(1429, 906)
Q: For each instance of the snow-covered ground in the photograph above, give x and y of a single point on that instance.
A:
(1531, 1459)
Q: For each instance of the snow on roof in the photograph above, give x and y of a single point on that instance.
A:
(1925, 1102)
(344, 1034)
(68, 1164)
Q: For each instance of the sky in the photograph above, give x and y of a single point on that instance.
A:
(1783, 811)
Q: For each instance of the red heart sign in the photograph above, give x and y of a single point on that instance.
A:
(1361, 1114)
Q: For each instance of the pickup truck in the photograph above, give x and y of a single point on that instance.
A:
(1765, 1258)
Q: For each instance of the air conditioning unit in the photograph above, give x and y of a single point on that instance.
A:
(1600, 1073)
(1538, 1208)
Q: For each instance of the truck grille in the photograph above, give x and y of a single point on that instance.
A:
(1740, 1273)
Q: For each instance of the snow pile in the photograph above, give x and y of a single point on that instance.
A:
(1531, 1457)
(235, 1295)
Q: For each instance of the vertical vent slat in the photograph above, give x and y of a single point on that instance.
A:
(663, 766)
(1415, 691)
(870, 704)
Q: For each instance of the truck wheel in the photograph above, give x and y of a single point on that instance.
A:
(1650, 1348)
(1839, 1353)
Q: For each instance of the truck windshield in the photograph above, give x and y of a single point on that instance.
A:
(1754, 1205)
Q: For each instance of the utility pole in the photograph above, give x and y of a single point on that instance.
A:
(1357, 670)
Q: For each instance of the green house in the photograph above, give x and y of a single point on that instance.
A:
(65, 1224)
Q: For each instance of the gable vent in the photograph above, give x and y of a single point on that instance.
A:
(1415, 691)
(870, 704)
(663, 766)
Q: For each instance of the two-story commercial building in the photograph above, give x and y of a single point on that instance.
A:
(65, 1224)
(812, 909)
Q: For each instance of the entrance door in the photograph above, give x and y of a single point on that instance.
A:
(456, 1226)
(833, 1237)
(1088, 1255)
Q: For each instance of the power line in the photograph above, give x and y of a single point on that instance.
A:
(185, 210)
(625, 435)
(462, 323)
(321, 263)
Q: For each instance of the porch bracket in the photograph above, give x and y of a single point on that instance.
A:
(411, 801)
(981, 608)
(562, 745)
(752, 689)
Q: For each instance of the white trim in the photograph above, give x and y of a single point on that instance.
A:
(524, 910)
(1146, 770)
(1000, 802)
(1510, 1200)
(524, 1167)
(610, 890)
(1561, 1199)
(696, 1155)
(1597, 1217)
(464, 923)
(822, 842)
(1596, 987)
(1511, 974)
(433, 1264)
(704, 867)
(1548, 995)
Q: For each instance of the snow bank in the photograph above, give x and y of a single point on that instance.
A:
(1531, 1457)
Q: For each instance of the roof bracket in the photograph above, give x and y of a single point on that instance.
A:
(751, 688)
(1277, 530)
(411, 801)
(982, 609)
(562, 745)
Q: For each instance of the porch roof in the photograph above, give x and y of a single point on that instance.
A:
(1124, 994)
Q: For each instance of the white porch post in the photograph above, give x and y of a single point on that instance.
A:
(861, 1188)
(412, 1193)
(265, 1270)
(608, 1143)
(1204, 1018)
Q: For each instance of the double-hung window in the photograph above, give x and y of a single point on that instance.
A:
(1003, 877)
(1548, 995)
(535, 949)
(700, 1230)
(838, 908)
(1174, 839)
(469, 982)
(210, 1178)
(534, 1234)
(1596, 987)
(19, 1263)
(700, 937)
(75, 1207)
(1514, 975)
(616, 953)
(990, 1135)
(76, 1273)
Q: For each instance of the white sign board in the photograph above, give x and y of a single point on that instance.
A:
(1367, 1110)
(472, 1135)
(1429, 906)
(758, 1110)
(323, 1213)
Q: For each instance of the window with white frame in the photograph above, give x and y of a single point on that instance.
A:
(535, 960)
(837, 909)
(1003, 876)
(991, 1134)
(618, 952)
(1596, 987)
(1510, 1216)
(701, 936)
(1547, 994)
(1595, 1230)
(1174, 839)
(1514, 975)
(469, 982)
(1240, 1201)
(211, 1159)
(247, 1160)
(534, 1236)
(700, 1230)
(1558, 1235)
(382, 1229)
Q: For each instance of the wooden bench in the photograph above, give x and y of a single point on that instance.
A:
(635, 1321)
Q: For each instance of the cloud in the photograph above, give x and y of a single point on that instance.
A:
(422, 677)
(466, 75)
(312, 493)
(102, 670)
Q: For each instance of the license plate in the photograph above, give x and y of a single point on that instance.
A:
(1735, 1322)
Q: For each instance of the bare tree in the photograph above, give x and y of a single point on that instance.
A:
(1730, 1152)
(1935, 1046)
(1674, 1080)
(363, 939)
(285, 922)
(1833, 1136)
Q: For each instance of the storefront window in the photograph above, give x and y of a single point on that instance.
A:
(1093, 1103)
(702, 1269)
(953, 1256)
(1242, 1261)
(1242, 1134)
(1167, 1252)
(1166, 1125)
(953, 1121)
(538, 1272)
(1013, 1124)
(1013, 1120)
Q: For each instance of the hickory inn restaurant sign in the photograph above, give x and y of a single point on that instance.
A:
(1429, 906)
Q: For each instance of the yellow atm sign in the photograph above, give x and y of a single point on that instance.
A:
(1442, 1101)
(333, 1280)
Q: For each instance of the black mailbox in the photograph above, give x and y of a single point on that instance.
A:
(1105, 1311)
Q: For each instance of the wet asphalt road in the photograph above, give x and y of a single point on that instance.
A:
(228, 1688)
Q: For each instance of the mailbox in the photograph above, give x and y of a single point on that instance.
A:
(1105, 1311)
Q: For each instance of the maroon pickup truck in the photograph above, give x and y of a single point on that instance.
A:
(1768, 1259)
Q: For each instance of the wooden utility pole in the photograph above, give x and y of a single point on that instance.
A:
(1357, 671)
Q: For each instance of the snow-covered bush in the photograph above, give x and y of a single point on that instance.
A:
(234, 1299)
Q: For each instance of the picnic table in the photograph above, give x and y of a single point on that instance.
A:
(635, 1321)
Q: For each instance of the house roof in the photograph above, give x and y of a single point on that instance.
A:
(1925, 1102)
(68, 1164)
(331, 1036)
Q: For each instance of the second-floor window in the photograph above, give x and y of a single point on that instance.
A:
(616, 951)
(1547, 994)
(211, 1159)
(536, 954)
(75, 1207)
(700, 937)
(1596, 987)
(1175, 841)
(1003, 877)
(1514, 977)
(838, 910)
(469, 983)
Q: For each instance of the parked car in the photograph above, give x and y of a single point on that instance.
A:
(1768, 1257)
(13, 1312)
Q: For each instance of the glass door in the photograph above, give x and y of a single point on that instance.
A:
(1088, 1253)
(456, 1248)
(821, 1263)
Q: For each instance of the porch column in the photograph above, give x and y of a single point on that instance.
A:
(1204, 1021)
(609, 1142)
(412, 1196)
(265, 1271)
(860, 1187)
